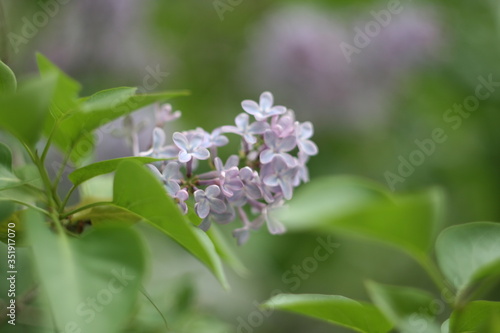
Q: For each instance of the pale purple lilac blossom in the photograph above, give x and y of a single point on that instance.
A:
(275, 149)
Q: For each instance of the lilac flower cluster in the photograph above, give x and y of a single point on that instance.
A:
(275, 149)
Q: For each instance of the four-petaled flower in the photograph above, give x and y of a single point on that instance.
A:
(304, 132)
(264, 109)
(278, 147)
(246, 130)
(279, 174)
(190, 147)
(158, 150)
(208, 200)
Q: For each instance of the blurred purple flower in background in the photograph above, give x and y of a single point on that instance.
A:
(295, 51)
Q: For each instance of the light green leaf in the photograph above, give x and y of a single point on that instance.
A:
(409, 309)
(97, 110)
(8, 83)
(362, 208)
(92, 282)
(24, 113)
(478, 316)
(469, 252)
(137, 190)
(339, 310)
(92, 170)
(66, 90)
(226, 252)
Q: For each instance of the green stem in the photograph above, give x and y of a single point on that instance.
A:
(31, 206)
(79, 209)
(436, 276)
(66, 198)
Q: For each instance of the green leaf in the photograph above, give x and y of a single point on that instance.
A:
(339, 310)
(92, 282)
(66, 91)
(408, 309)
(5, 157)
(8, 83)
(478, 316)
(137, 190)
(24, 113)
(362, 208)
(226, 252)
(469, 252)
(92, 170)
(75, 131)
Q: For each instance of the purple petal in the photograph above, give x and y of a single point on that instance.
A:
(271, 139)
(196, 141)
(266, 100)
(184, 156)
(306, 130)
(232, 161)
(242, 121)
(202, 208)
(250, 139)
(286, 187)
(213, 191)
(246, 174)
(279, 164)
(218, 164)
(266, 156)
(158, 138)
(242, 235)
(271, 180)
(258, 127)
(199, 195)
(205, 224)
(180, 140)
(251, 107)
(201, 153)
(276, 110)
(308, 147)
(287, 144)
(289, 159)
(274, 226)
(217, 205)
(253, 191)
(220, 141)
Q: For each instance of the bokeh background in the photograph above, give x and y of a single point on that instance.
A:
(367, 112)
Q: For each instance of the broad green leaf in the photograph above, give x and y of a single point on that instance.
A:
(466, 253)
(76, 131)
(338, 310)
(24, 113)
(7, 178)
(226, 252)
(137, 190)
(408, 309)
(478, 316)
(92, 282)
(92, 170)
(8, 83)
(66, 91)
(361, 208)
